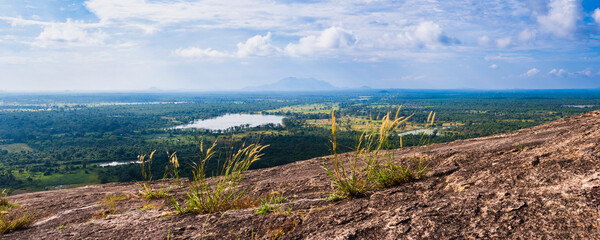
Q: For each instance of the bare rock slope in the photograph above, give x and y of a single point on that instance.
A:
(536, 183)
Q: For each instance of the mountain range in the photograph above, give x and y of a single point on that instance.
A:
(294, 84)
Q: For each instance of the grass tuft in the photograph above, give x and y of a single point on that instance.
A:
(371, 165)
(223, 192)
(4, 203)
(146, 167)
(270, 203)
(14, 220)
(109, 203)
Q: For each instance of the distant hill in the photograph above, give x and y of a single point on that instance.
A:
(295, 84)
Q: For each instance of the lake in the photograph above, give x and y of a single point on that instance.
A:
(112, 164)
(233, 120)
(420, 131)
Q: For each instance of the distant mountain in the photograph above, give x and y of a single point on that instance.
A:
(295, 84)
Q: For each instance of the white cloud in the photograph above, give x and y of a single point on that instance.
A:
(562, 17)
(484, 41)
(559, 73)
(254, 46)
(596, 16)
(70, 33)
(531, 72)
(413, 77)
(328, 40)
(257, 46)
(425, 34)
(503, 42)
(527, 35)
(493, 66)
(195, 52)
(586, 72)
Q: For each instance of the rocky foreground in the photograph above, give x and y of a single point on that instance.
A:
(536, 183)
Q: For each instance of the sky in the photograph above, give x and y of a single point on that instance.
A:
(217, 45)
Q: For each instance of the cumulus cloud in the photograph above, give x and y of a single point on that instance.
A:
(202, 53)
(257, 46)
(562, 18)
(559, 73)
(596, 16)
(328, 40)
(425, 34)
(531, 72)
(72, 33)
(493, 66)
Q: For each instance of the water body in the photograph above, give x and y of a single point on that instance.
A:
(112, 164)
(233, 120)
(420, 131)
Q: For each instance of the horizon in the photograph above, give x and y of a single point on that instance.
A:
(299, 92)
(101, 46)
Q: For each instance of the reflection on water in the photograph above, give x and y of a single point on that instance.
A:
(233, 120)
(420, 131)
(112, 164)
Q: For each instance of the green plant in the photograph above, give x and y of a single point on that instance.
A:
(109, 203)
(173, 169)
(177, 206)
(371, 164)
(349, 178)
(4, 203)
(520, 147)
(390, 173)
(223, 191)
(335, 196)
(270, 203)
(15, 220)
(146, 189)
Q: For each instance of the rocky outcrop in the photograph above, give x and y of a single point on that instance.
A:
(536, 183)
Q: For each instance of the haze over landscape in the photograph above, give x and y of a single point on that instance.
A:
(120, 45)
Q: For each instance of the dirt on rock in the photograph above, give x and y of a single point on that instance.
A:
(536, 183)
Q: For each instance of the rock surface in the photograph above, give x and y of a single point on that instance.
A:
(536, 183)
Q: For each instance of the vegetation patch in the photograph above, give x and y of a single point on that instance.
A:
(223, 193)
(370, 165)
(145, 187)
(4, 203)
(109, 204)
(15, 219)
(16, 147)
(270, 203)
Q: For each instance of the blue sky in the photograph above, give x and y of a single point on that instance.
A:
(105, 45)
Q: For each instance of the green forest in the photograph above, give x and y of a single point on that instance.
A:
(52, 141)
